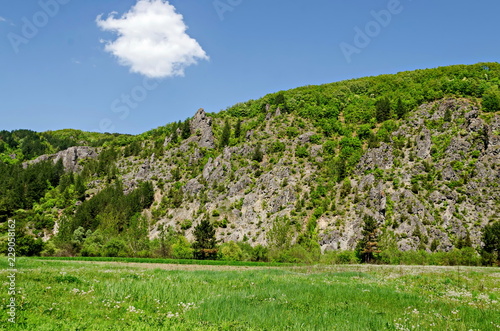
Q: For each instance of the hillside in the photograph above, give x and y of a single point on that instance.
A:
(379, 164)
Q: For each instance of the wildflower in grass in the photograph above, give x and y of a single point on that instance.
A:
(171, 315)
(187, 306)
(132, 309)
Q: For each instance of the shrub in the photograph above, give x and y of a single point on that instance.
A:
(491, 99)
(301, 152)
(277, 146)
(115, 248)
(186, 224)
(181, 249)
(260, 253)
(230, 251)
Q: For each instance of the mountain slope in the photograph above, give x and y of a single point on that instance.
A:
(416, 154)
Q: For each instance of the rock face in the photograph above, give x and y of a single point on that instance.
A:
(70, 157)
(430, 182)
(201, 127)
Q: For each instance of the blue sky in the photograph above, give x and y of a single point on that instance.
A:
(74, 71)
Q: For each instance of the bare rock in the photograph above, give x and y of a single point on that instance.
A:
(201, 126)
(70, 157)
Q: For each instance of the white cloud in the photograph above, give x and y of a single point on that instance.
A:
(152, 40)
(2, 19)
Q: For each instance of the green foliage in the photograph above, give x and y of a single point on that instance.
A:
(367, 246)
(354, 98)
(226, 135)
(181, 249)
(364, 131)
(491, 240)
(401, 109)
(26, 245)
(186, 224)
(280, 234)
(383, 109)
(280, 101)
(115, 247)
(447, 115)
(277, 146)
(186, 129)
(260, 253)
(22, 187)
(491, 99)
(230, 251)
(237, 129)
(340, 257)
(26, 144)
(330, 147)
(257, 155)
(93, 244)
(110, 209)
(204, 234)
(301, 151)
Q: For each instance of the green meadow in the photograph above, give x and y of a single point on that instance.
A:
(84, 295)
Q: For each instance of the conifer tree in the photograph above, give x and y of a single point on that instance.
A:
(237, 129)
(383, 109)
(226, 133)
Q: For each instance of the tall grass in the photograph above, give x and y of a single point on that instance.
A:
(57, 295)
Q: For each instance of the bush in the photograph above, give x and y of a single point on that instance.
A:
(339, 257)
(260, 253)
(115, 248)
(491, 100)
(186, 224)
(330, 147)
(277, 146)
(301, 152)
(93, 244)
(230, 251)
(182, 249)
(50, 249)
(26, 245)
(295, 254)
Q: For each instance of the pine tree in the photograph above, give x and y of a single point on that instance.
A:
(174, 137)
(205, 240)
(383, 109)
(368, 245)
(237, 129)
(226, 133)
(400, 108)
(186, 129)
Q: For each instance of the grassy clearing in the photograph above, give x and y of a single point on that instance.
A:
(60, 295)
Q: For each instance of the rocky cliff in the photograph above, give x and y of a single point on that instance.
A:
(434, 180)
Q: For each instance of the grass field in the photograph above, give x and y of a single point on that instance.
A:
(61, 295)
